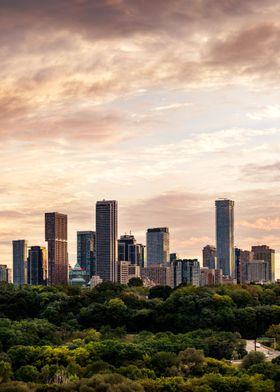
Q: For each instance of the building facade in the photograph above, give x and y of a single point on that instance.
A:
(186, 271)
(86, 252)
(5, 274)
(158, 274)
(56, 236)
(158, 245)
(20, 262)
(129, 250)
(257, 271)
(209, 257)
(37, 266)
(107, 239)
(263, 252)
(225, 236)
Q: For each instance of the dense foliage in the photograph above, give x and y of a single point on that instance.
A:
(129, 338)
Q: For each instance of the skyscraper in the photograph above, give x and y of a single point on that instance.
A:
(20, 262)
(225, 236)
(263, 252)
(107, 239)
(37, 265)
(56, 235)
(185, 271)
(125, 243)
(86, 252)
(209, 256)
(129, 250)
(158, 245)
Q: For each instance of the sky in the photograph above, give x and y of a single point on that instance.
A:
(163, 105)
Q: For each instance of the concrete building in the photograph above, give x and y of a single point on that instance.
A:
(158, 245)
(209, 257)
(263, 252)
(107, 239)
(225, 236)
(56, 236)
(186, 271)
(94, 281)
(257, 271)
(129, 250)
(242, 258)
(157, 273)
(210, 276)
(86, 252)
(20, 262)
(77, 276)
(5, 274)
(37, 266)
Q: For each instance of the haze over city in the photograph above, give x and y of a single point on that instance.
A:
(164, 106)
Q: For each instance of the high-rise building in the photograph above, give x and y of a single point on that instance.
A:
(5, 273)
(257, 271)
(77, 276)
(20, 262)
(263, 252)
(129, 250)
(125, 243)
(209, 257)
(86, 252)
(185, 271)
(37, 266)
(158, 274)
(107, 239)
(210, 276)
(225, 236)
(242, 258)
(56, 236)
(158, 245)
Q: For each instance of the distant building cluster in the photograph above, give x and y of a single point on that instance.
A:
(104, 256)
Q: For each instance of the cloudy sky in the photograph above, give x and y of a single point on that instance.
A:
(163, 105)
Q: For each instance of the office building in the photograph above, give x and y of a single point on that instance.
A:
(94, 281)
(77, 276)
(37, 266)
(129, 250)
(186, 271)
(158, 245)
(209, 257)
(86, 252)
(5, 274)
(263, 252)
(125, 243)
(225, 236)
(210, 276)
(56, 236)
(107, 239)
(20, 262)
(158, 274)
(242, 258)
(257, 271)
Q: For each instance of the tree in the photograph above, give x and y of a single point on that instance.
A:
(192, 361)
(27, 373)
(162, 292)
(162, 361)
(254, 357)
(135, 282)
(5, 371)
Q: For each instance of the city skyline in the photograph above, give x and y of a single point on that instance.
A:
(163, 107)
(111, 222)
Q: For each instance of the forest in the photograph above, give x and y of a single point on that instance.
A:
(130, 338)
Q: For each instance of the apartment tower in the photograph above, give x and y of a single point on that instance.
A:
(225, 236)
(107, 239)
(56, 236)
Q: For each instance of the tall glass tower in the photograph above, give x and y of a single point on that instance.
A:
(107, 239)
(225, 236)
(56, 236)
